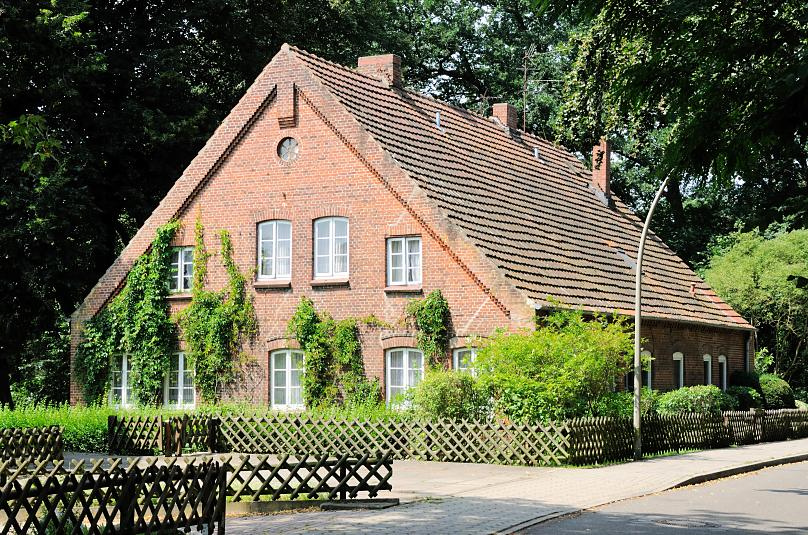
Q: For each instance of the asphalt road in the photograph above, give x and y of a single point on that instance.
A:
(774, 500)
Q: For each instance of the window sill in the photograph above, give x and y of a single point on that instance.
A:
(410, 289)
(179, 296)
(315, 283)
(270, 284)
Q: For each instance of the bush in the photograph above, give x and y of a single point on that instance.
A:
(621, 404)
(801, 394)
(801, 405)
(557, 371)
(746, 397)
(85, 428)
(776, 392)
(743, 378)
(695, 399)
(449, 394)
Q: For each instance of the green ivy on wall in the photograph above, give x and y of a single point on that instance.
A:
(431, 317)
(135, 322)
(333, 352)
(216, 324)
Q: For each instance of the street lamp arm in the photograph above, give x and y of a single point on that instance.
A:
(638, 320)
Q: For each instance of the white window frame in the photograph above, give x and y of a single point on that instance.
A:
(648, 375)
(722, 370)
(709, 360)
(457, 355)
(331, 274)
(178, 278)
(182, 372)
(405, 370)
(125, 399)
(678, 355)
(405, 262)
(274, 223)
(288, 387)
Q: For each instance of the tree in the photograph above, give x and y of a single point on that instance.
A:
(765, 278)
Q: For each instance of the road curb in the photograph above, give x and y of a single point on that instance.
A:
(692, 480)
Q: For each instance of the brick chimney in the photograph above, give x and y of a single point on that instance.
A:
(601, 166)
(506, 114)
(385, 68)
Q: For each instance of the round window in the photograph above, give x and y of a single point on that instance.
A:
(288, 149)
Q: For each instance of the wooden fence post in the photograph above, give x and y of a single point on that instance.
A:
(129, 500)
(111, 424)
(213, 433)
(343, 471)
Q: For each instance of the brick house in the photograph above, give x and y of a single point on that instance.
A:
(340, 185)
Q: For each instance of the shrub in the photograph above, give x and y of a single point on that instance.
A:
(557, 371)
(698, 399)
(801, 394)
(743, 378)
(449, 394)
(85, 428)
(801, 405)
(776, 392)
(746, 397)
(621, 404)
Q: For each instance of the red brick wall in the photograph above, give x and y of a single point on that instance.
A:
(663, 339)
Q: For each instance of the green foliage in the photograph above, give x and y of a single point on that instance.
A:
(744, 378)
(746, 397)
(431, 317)
(801, 394)
(621, 404)
(764, 361)
(217, 324)
(449, 394)
(333, 355)
(702, 399)
(557, 371)
(44, 373)
(85, 428)
(766, 280)
(135, 322)
(777, 394)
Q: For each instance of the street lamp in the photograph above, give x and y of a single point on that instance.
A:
(638, 321)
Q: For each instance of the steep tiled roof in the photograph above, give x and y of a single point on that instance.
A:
(537, 219)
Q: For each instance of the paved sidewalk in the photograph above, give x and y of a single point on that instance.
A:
(469, 498)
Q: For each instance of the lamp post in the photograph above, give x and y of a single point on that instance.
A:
(638, 321)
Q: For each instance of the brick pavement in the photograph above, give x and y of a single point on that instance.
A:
(461, 498)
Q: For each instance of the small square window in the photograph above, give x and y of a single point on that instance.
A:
(181, 270)
(404, 261)
(464, 359)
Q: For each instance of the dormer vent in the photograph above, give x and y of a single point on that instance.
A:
(536, 153)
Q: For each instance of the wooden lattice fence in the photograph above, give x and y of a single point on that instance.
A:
(135, 435)
(33, 443)
(442, 440)
(156, 498)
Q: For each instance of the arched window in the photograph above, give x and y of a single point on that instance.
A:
(274, 250)
(678, 370)
(722, 372)
(287, 369)
(331, 248)
(405, 369)
(708, 370)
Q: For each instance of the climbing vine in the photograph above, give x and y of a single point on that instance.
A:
(135, 322)
(216, 324)
(431, 317)
(334, 366)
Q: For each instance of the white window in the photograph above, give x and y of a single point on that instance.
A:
(405, 369)
(708, 370)
(287, 372)
(331, 248)
(464, 359)
(646, 369)
(678, 370)
(120, 391)
(722, 372)
(275, 250)
(404, 261)
(182, 269)
(178, 390)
